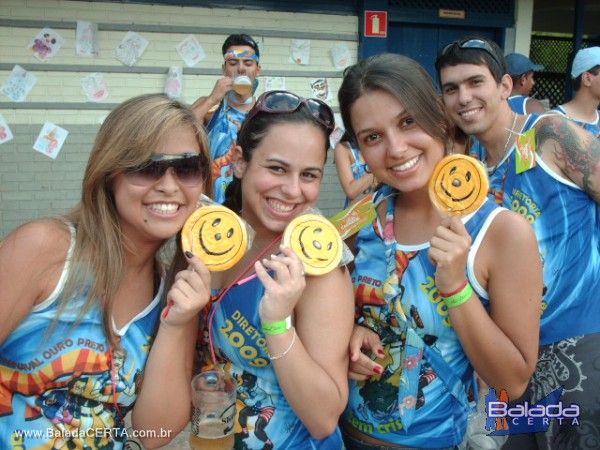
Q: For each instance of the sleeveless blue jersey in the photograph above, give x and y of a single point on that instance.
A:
(223, 130)
(261, 405)
(57, 387)
(377, 406)
(517, 103)
(592, 127)
(566, 222)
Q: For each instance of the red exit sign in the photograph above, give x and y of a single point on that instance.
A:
(376, 24)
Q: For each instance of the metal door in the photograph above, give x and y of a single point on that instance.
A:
(421, 42)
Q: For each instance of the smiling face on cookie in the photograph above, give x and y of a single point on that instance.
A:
(216, 235)
(316, 241)
(458, 185)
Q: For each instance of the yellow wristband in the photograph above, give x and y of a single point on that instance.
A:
(276, 327)
(460, 297)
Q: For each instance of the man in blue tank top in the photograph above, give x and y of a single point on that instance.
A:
(225, 109)
(546, 168)
(522, 71)
(583, 108)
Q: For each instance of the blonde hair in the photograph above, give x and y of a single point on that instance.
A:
(126, 139)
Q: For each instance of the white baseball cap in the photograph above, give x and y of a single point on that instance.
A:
(585, 59)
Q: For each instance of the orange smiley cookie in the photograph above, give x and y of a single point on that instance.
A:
(216, 235)
(316, 241)
(459, 185)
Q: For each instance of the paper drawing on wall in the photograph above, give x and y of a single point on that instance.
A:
(86, 39)
(300, 51)
(50, 140)
(18, 84)
(340, 56)
(190, 51)
(46, 44)
(131, 48)
(274, 84)
(174, 83)
(336, 135)
(95, 87)
(320, 89)
(5, 133)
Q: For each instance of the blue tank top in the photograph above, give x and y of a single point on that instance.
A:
(592, 127)
(567, 225)
(64, 383)
(379, 407)
(261, 406)
(517, 103)
(223, 130)
(358, 170)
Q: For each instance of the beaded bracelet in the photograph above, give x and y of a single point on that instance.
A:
(459, 298)
(287, 350)
(276, 327)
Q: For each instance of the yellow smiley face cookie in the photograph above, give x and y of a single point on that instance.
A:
(459, 185)
(216, 235)
(316, 241)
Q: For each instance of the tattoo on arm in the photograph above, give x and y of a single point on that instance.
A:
(577, 153)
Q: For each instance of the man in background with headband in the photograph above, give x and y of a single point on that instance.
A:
(225, 109)
(556, 186)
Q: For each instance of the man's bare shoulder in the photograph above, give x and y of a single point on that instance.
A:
(570, 150)
(534, 106)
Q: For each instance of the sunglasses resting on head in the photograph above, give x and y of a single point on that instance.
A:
(466, 44)
(288, 102)
(188, 168)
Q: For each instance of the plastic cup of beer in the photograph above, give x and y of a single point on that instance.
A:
(477, 435)
(242, 85)
(213, 417)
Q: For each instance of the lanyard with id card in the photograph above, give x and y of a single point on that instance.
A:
(525, 158)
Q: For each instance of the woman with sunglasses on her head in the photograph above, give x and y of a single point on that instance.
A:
(436, 296)
(82, 295)
(292, 381)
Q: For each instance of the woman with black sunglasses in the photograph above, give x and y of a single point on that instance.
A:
(282, 334)
(437, 296)
(81, 295)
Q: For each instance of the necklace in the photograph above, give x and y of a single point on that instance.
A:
(505, 151)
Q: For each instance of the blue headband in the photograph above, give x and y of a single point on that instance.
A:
(241, 54)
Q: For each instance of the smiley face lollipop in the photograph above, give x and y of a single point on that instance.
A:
(216, 235)
(316, 241)
(459, 185)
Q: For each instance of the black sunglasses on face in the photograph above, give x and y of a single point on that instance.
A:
(189, 168)
(287, 102)
(469, 43)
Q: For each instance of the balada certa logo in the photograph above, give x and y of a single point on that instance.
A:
(524, 417)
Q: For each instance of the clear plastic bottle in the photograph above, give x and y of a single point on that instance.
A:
(477, 435)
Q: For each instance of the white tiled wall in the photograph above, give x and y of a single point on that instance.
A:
(33, 185)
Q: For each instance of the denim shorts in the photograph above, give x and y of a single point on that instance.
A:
(353, 443)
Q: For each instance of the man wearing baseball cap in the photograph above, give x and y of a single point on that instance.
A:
(583, 108)
(521, 69)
